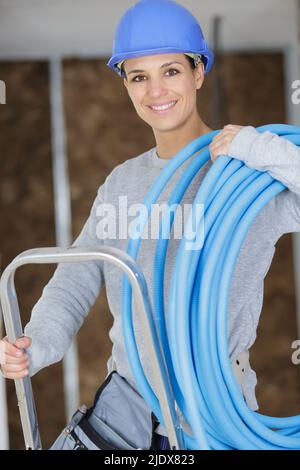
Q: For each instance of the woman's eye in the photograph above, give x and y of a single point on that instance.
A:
(135, 78)
(139, 76)
(173, 70)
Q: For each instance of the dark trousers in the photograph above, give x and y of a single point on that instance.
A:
(160, 442)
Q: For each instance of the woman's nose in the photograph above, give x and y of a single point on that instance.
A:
(156, 88)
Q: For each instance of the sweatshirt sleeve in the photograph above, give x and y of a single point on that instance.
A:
(266, 151)
(65, 301)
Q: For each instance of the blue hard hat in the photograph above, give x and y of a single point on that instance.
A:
(158, 27)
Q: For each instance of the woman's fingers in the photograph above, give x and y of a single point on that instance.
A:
(16, 367)
(9, 348)
(15, 371)
(14, 361)
(221, 142)
(229, 130)
(16, 375)
(23, 343)
(219, 148)
(224, 136)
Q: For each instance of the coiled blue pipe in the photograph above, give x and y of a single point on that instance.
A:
(194, 340)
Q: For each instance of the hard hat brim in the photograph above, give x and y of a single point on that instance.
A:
(207, 54)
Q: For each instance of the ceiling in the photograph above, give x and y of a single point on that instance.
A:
(47, 28)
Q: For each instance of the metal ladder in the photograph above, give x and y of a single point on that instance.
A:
(13, 326)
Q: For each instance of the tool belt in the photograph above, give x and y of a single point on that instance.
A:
(119, 419)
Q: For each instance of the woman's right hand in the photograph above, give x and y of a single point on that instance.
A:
(13, 359)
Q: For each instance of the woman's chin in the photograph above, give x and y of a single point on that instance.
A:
(167, 125)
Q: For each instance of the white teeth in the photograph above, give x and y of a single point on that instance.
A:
(166, 106)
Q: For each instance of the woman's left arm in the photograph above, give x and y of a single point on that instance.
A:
(264, 151)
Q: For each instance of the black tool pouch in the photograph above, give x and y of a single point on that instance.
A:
(119, 419)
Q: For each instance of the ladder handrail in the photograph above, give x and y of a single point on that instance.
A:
(13, 326)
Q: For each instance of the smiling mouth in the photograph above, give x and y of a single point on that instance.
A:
(163, 108)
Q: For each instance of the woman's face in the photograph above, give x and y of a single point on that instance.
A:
(165, 79)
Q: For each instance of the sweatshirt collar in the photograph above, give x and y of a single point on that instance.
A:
(156, 160)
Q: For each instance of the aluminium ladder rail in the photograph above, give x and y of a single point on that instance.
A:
(13, 326)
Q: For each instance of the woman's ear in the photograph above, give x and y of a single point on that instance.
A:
(199, 75)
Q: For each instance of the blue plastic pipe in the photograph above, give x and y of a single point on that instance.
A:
(193, 332)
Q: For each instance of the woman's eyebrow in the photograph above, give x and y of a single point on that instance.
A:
(164, 65)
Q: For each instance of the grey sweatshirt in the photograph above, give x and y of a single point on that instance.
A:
(71, 292)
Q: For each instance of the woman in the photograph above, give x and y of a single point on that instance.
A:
(164, 64)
